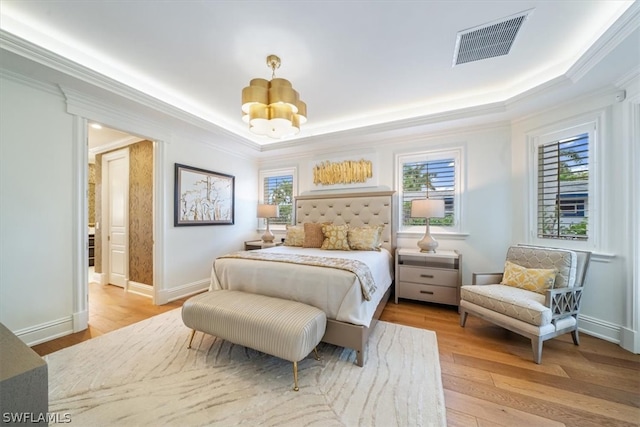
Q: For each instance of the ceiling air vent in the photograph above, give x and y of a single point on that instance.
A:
(488, 40)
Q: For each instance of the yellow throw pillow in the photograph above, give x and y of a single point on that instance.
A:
(366, 238)
(313, 236)
(294, 236)
(335, 237)
(532, 279)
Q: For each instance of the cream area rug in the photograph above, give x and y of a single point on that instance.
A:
(144, 375)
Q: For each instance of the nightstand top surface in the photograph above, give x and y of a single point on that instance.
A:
(439, 253)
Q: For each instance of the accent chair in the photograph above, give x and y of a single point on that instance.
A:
(538, 295)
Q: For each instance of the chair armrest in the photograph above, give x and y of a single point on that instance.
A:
(486, 278)
(563, 302)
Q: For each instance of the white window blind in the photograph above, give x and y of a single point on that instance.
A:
(563, 189)
(429, 175)
(278, 188)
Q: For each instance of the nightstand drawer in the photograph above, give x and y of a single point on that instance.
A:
(429, 276)
(430, 293)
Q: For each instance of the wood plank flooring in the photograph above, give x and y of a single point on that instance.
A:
(490, 379)
(488, 374)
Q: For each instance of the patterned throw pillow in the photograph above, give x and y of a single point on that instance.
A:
(532, 279)
(367, 238)
(313, 236)
(294, 236)
(335, 237)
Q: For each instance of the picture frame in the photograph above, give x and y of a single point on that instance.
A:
(203, 197)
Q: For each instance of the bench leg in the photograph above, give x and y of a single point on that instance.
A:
(295, 376)
(193, 332)
(315, 350)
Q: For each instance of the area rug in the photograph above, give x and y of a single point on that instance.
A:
(144, 375)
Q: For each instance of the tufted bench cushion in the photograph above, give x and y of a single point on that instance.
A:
(286, 329)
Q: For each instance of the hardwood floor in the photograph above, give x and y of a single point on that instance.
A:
(110, 308)
(490, 379)
(488, 374)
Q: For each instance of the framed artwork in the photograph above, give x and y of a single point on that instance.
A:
(203, 197)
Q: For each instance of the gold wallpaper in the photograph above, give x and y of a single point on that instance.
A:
(92, 194)
(140, 212)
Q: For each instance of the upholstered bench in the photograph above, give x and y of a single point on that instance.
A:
(286, 329)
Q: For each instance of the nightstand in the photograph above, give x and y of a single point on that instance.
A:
(257, 244)
(432, 277)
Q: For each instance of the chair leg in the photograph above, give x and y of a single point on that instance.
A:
(575, 336)
(536, 345)
(463, 317)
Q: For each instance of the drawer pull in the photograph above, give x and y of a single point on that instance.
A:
(428, 276)
(426, 292)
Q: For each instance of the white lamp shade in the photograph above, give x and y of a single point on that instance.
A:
(427, 208)
(267, 211)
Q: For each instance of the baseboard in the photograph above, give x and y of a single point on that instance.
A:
(599, 328)
(140, 289)
(99, 278)
(167, 295)
(80, 321)
(630, 340)
(46, 331)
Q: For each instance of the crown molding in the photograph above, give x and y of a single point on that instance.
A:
(33, 52)
(616, 34)
(49, 88)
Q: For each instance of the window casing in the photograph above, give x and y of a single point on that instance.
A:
(278, 187)
(433, 174)
(565, 201)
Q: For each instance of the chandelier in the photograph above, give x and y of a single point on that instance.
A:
(273, 108)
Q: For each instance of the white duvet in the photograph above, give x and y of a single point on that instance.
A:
(337, 292)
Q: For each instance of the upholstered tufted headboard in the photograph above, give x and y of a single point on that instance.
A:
(355, 209)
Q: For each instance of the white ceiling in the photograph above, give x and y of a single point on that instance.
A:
(355, 63)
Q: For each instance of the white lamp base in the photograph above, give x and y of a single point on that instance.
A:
(428, 243)
(267, 237)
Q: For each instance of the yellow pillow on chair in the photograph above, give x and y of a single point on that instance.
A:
(532, 279)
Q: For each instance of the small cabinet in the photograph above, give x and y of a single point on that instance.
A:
(92, 247)
(432, 277)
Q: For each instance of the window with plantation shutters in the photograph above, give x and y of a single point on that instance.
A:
(277, 187)
(433, 175)
(563, 188)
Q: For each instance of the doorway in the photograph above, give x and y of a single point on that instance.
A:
(122, 210)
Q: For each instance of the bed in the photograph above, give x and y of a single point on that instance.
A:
(352, 300)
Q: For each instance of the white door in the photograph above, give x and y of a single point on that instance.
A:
(116, 167)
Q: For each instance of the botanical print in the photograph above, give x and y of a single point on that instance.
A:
(203, 197)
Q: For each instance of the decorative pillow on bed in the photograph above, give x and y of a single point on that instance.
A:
(313, 236)
(532, 279)
(335, 237)
(367, 238)
(294, 236)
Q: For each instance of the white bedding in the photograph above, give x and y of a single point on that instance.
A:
(337, 292)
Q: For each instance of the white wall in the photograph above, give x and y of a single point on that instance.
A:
(36, 187)
(604, 308)
(40, 260)
(189, 251)
(495, 201)
(486, 221)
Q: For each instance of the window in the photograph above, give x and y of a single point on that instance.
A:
(278, 187)
(563, 188)
(566, 171)
(435, 175)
